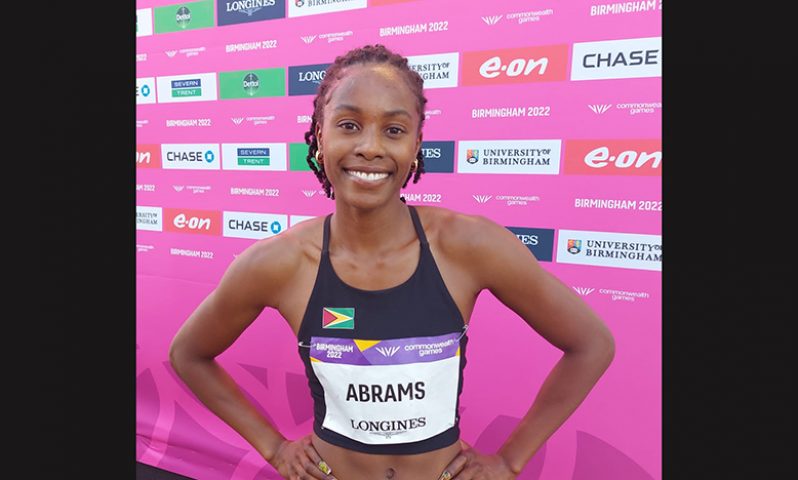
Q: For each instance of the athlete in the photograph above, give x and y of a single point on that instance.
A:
(379, 295)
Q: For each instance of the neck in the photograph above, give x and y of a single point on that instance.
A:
(371, 232)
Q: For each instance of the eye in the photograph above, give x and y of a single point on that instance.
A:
(395, 130)
(347, 125)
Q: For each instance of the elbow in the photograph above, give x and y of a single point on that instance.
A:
(606, 348)
(175, 355)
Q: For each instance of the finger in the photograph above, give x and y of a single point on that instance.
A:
(464, 445)
(313, 470)
(471, 472)
(320, 464)
(316, 459)
(454, 467)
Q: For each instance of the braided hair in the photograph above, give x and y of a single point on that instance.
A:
(368, 54)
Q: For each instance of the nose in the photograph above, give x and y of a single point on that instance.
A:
(369, 145)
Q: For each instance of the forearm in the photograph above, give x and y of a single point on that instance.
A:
(564, 389)
(217, 390)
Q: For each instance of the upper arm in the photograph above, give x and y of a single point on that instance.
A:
(252, 282)
(509, 270)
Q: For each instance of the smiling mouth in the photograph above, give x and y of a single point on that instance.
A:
(368, 176)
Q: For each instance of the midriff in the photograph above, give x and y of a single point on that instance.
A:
(353, 465)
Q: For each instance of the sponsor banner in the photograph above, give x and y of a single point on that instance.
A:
(369, 385)
(255, 83)
(438, 157)
(190, 252)
(194, 156)
(144, 248)
(299, 8)
(188, 52)
(310, 193)
(297, 219)
(537, 157)
(508, 200)
(253, 156)
(298, 153)
(192, 188)
(305, 79)
(539, 241)
(513, 111)
(188, 122)
(637, 108)
(619, 204)
(438, 70)
(250, 46)
(420, 197)
(609, 249)
(253, 121)
(329, 36)
(515, 65)
(145, 90)
(254, 192)
(195, 87)
(244, 11)
(519, 18)
(435, 26)
(149, 218)
(625, 7)
(143, 22)
(613, 294)
(630, 58)
(148, 156)
(613, 157)
(253, 225)
(200, 222)
(184, 16)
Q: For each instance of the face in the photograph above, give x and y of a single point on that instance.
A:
(369, 137)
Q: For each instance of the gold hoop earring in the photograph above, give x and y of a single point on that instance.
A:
(415, 165)
(318, 154)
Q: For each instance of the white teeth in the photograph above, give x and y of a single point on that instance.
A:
(368, 176)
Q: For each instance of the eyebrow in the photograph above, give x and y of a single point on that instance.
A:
(389, 113)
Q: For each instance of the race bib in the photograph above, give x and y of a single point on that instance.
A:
(388, 391)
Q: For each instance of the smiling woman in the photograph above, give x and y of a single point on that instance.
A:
(379, 295)
(388, 70)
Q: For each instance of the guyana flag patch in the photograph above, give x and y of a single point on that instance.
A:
(338, 318)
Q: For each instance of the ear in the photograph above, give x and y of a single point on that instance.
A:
(317, 133)
(419, 141)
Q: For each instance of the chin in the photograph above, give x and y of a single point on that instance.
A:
(364, 200)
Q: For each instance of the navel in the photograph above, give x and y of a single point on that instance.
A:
(390, 473)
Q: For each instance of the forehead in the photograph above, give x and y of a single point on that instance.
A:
(378, 87)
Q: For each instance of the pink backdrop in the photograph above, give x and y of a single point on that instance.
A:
(602, 189)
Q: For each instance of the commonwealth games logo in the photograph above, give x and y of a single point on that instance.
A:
(251, 84)
(343, 318)
(574, 246)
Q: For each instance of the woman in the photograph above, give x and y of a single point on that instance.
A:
(379, 294)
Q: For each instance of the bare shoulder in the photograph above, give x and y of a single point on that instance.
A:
(275, 260)
(475, 243)
(460, 233)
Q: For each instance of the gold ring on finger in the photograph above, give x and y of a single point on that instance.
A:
(324, 467)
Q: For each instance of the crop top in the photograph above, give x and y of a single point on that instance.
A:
(385, 367)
